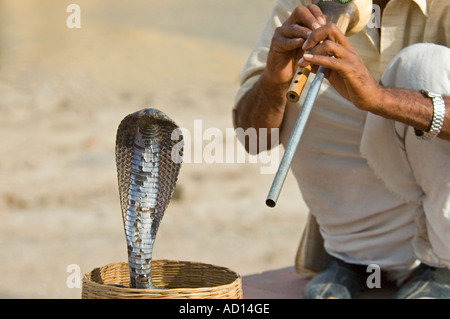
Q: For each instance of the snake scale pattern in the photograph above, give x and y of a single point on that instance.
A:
(147, 176)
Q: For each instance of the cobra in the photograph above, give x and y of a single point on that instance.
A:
(146, 178)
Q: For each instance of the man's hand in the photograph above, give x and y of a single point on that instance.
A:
(263, 105)
(286, 46)
(347, 73)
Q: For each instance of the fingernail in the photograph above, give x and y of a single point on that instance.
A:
(307, 56)
(301, 61)
(315, 25)
(304, 45)
(321, 20)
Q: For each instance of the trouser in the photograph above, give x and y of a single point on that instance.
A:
(416, 170)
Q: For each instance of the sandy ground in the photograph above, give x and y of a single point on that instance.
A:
(63, 93)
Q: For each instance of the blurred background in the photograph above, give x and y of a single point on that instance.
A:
(63, 93)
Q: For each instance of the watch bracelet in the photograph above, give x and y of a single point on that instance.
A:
(438, 119)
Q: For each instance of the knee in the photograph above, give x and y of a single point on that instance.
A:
(420, 66)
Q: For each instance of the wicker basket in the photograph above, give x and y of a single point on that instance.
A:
(179, 279)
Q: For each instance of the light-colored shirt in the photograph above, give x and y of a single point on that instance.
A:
(361, 220)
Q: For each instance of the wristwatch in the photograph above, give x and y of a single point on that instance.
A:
(438, 116)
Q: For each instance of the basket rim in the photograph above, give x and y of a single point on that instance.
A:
(238, 279)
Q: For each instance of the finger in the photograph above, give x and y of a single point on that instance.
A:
(330, 48)
(326, 48)
(295, 31)
(286, 44)
(287, 39)
(304, 17)
(330, 32)
(328, 62)
(317, 12)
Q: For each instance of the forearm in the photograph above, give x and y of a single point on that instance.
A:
(410, 107)
(262, 106)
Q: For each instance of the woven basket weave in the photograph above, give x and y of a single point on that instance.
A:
(179, 279)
